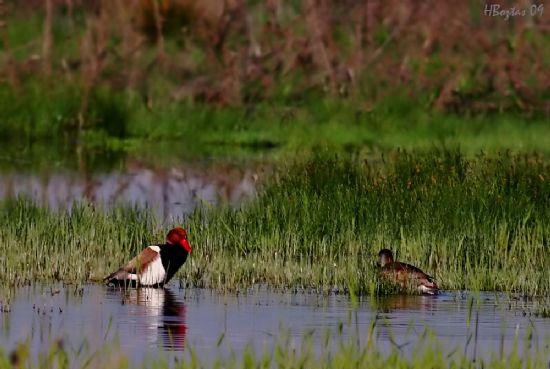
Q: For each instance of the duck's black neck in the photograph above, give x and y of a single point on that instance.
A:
(172, 257)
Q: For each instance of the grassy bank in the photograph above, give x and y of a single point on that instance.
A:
(476, 223)
(104, 76)
(119, 123)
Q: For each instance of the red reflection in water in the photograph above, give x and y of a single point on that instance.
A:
(174, 329)
(162, 317)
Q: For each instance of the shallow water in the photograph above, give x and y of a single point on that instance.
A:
(170, 192)
(156, 321)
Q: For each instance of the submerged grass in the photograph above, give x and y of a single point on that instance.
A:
(478, 223)
(332, 352)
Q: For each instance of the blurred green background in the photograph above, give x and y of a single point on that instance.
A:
(234, 78)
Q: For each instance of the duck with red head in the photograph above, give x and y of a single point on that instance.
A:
(156, 264)
(405, 275)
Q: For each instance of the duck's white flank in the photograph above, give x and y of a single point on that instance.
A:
(425, 289)
(153, 272)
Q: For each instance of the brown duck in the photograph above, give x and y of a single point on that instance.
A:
(405, 275)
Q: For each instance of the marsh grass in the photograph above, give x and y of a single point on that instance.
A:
(473, 223)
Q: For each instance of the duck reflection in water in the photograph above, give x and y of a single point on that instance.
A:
(388, 304)
(164, 313)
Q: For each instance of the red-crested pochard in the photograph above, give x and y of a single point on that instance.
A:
(156, 264)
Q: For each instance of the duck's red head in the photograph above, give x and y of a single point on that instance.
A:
(178, 236)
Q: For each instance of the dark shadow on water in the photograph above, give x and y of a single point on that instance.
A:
(161, 309)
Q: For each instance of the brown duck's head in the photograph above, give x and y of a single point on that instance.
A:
(178, 236)
(385, 256)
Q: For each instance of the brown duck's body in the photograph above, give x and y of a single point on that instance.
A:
(406, 275)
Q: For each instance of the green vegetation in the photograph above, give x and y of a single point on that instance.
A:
(176, 75)
(477, 223)
(473, 223)
(101, 76)
(440, 128)
(243, 53)
(427, 352)
(125, 125)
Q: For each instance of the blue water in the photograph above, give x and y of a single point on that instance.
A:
(153, 322)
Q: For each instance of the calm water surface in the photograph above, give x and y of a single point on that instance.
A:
(170, 192)
(164, 322)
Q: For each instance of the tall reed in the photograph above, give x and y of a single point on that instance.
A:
(473, 223)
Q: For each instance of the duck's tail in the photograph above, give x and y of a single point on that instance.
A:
(120, 276)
